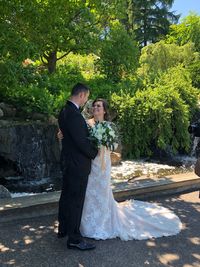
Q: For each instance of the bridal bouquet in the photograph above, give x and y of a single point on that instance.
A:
(103, 134)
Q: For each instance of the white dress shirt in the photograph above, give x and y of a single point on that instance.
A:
(74, 104)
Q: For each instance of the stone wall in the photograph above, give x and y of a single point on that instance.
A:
(32, 147)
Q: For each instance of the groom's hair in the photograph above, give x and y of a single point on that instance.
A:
(79, 88)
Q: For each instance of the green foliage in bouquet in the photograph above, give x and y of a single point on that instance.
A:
(103, 134)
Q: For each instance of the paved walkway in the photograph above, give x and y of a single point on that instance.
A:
(32, 243)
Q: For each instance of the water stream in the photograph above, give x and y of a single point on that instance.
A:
(126, 171)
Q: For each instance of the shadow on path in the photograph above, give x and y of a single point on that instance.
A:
(33, 243)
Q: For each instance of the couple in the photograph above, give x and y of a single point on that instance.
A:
(87, 207)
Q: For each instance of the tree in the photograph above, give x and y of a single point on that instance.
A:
(13, 44)
(119, 53)
(54, 28)
(187, 31)
(150, 20)
(159, 57)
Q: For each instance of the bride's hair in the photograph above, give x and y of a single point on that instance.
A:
(105, 107)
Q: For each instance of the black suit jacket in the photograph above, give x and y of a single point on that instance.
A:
(77, 149)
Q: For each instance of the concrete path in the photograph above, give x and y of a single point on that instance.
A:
(33, 243)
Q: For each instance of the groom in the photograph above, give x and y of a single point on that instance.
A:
(76, 155)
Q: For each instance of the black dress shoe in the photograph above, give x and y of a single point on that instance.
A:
(82, 245)
(61, 234)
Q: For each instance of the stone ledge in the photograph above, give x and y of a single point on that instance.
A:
(47, 203)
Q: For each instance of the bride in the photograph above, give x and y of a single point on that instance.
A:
(104, 218)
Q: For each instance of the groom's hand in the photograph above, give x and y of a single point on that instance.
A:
(60, 135)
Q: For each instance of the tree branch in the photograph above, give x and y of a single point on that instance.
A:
(71, 50)
(45, 63)
(63, 55)
(46, 56)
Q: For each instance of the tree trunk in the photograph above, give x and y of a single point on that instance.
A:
(145, 27)
(129, 17)
(52, 58)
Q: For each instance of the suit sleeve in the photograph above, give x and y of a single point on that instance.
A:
(76, 129)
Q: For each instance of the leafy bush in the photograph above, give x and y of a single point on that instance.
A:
(152, 118)
(64, 79)
(179, 79)
(194, 70)
(31, 99)
(31, 89)
(157, 117)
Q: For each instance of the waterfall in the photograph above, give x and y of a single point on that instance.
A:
(195, 143)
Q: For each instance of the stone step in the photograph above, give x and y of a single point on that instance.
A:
(147, 188)
(139, 188)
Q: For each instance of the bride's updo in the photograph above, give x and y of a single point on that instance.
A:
(105, 107)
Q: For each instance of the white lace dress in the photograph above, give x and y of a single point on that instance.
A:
(104, 218)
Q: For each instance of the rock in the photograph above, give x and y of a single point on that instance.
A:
(115, 158)
(1, 113)
(53, 120)
(39, 116)
(4, 193)
(31, 149)
(8, 110)
(4, 123)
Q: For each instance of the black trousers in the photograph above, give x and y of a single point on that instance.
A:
(71, 203)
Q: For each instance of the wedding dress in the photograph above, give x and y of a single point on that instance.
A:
(104, 218)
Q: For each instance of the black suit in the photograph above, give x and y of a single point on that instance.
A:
(76, 155)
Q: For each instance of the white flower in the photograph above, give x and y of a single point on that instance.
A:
(104, 134)
(112, 133)
(98, 136)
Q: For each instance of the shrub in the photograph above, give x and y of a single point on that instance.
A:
(179, 79)
(151, 119)
(31, 99)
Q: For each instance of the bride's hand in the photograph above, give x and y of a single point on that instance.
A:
(60, 135)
